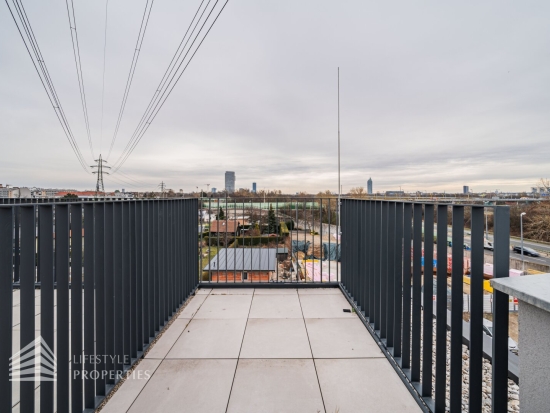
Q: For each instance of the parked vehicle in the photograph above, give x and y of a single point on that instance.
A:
(488, 245)
(526, 251)
(488, 329)
(466, 246)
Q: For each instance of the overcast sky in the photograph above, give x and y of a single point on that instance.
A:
(434, 95)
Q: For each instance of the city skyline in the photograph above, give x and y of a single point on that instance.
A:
(453, 96)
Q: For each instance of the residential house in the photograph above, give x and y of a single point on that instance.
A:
(243, 264)
(223, 227)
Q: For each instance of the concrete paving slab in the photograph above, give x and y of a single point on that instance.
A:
(232, 291)
(198, 386)
(123, 399)
(271, 291)
(168, 339)
(340, 338)
(225, 306)
(210, 338)
(325, 306)
(275, 306)
(274, 386)
(275, 338)
(202, 291)
(193, 306)
(318, 291)
(364, 385)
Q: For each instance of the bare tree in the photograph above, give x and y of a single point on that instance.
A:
(358, 192)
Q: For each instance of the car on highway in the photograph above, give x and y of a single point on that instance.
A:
(526, 251)
(488, 329)
(488, 245)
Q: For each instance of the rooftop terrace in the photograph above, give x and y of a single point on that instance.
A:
(268, 350)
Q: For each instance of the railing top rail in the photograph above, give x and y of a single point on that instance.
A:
(435, 203)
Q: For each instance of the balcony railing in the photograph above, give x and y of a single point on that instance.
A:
(386, 251)
(110, 275)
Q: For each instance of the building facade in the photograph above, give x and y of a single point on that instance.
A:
(369, 186)
(230, 181)
(466, 189)
(254, 187)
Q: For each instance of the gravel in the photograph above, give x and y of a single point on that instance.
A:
(513, 388)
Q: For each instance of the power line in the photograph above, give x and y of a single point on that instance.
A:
(103, 83)
(78, 63)
(42, 71)
(167, 73)
(135, 180)
(141, 36)
(162, 99)
(121, 181)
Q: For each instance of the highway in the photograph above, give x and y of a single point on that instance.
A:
(534, 260)
(540, 247)
(544, 249)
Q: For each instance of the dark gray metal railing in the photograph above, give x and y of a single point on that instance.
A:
(383, 244)
(120, 269)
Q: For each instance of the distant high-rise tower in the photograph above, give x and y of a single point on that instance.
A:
(230, 181)
(369, 186)
(254, 187)
(466, 189)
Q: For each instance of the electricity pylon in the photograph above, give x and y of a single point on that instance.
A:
(162, 187)
(100, 188)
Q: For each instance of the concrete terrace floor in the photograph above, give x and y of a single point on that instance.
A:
(264, 350)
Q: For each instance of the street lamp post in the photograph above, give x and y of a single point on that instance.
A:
(521, 230)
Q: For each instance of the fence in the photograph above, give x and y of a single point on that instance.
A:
(108, 276)
(385, 283)
(256, 241)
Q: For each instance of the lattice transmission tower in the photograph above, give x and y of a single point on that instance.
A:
(100, 165)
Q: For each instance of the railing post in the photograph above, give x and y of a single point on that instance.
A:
(89, 304)
(384, 270)
(407, 237)
(416, 292)
(45, 269)
(457, 305)
(6, 305)
(441, 311)
(110, 249)
(99, 276)
(118, 326)
(398, 280)
(476, 312)
(76, 307)
(390, 276)
(501, 260)
(427, 336)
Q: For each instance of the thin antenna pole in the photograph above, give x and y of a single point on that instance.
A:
(339, 186)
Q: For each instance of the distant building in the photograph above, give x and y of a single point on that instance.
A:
(214, 190)
(223, 227)
(254, 187)
(369, 186)
(465, 189)
(14, 192)
(230, 181)
(395, 193)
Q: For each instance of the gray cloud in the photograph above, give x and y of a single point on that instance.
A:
(433, 96)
